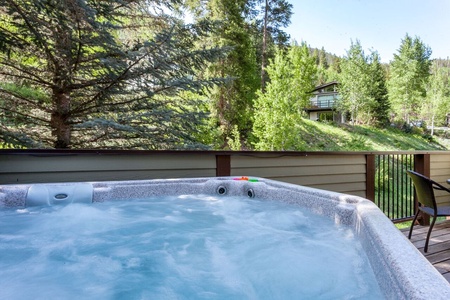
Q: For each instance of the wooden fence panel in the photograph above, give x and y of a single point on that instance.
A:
(440, 172)
(65, 168)
(340, 173)
(335, 171)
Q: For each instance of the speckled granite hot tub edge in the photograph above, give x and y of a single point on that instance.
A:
(401, 270)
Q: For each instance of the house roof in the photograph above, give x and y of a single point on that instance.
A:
(325, 85)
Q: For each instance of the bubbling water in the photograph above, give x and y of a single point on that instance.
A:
(185, 247)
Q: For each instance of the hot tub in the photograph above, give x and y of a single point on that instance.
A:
(397, 269)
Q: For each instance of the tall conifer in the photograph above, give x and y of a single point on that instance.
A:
(378, 90)
(98, 74)
(232, 102)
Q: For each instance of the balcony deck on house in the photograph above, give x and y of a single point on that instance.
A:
(323, 101)
(326, 101)
(439, 247)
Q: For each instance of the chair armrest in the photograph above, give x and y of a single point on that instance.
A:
(440, 187)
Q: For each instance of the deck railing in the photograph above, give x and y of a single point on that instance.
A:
(323, 103)
(394, 193)
(377, 176)
(324, 100)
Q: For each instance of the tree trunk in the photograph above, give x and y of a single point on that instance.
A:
(432, 125)
(264, 48)
(61, 129)
(61, 64)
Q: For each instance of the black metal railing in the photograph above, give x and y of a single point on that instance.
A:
(328, 103)
(325, 101)
(394, 192)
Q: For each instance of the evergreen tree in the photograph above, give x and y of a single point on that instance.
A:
(323, 61)
(409, 72)
(315, 54)
(231, 102)
(99, 74)
(334, 69)
(276, 14)
(322, 65)
(278, 110)
(378, 91)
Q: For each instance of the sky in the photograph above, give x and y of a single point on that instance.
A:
(378, 24)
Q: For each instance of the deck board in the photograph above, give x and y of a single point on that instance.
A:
(439, 246)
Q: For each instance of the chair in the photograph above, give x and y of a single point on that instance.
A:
(425, 187)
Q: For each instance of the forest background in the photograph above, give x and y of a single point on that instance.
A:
(200, 74)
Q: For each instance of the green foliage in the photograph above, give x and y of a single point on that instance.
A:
(271, 16)
(357, 143)
(278, 14)
(235, 140)
(303, 73)
(409, 72)
(363, 87)
(436, 104)
(278, 110)
(105, 74)
(390, 179)
(355, 82)
(323, 61)
(327, 66)
(231, 103)
(275, 113)
(379, 112)
(129, 74)
(319, 136)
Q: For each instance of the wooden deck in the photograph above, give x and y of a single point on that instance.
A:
(439, 246)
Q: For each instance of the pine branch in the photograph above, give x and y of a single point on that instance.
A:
(32, 73)
(32, 29)
(30, 118)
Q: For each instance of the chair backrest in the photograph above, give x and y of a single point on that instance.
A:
(424, 189)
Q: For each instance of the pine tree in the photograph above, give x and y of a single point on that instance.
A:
(231, 102)
(99, 74)
(334, 69)
(323, 61)
(276, 14)
(378, 91)
(318, 56)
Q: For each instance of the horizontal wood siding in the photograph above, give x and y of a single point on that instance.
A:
(340, 173)
(64, 168)
(440, 172)
(335, 171)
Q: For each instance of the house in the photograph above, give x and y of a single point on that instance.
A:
(323, 103)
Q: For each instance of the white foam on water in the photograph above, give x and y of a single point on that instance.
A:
(180, 248)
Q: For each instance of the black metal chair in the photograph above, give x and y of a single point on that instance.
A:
(425, 187)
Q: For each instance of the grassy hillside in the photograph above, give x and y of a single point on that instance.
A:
(333, 137)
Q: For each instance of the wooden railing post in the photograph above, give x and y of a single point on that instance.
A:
(422, 166)
(370, 177)
(223, 165)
